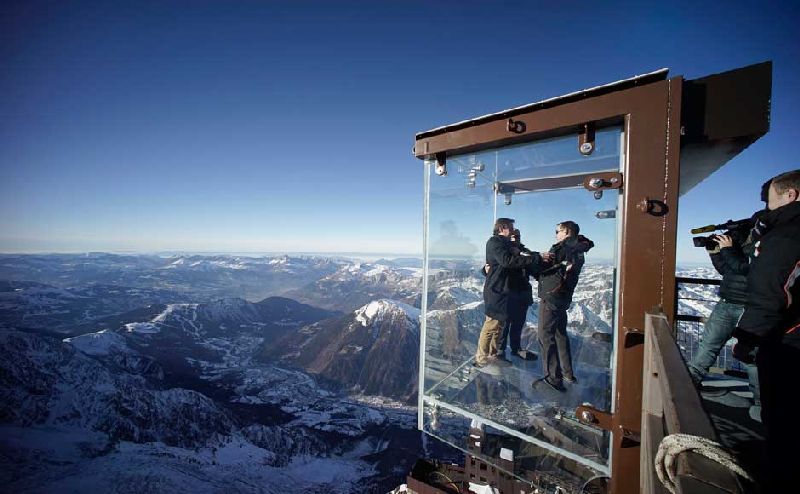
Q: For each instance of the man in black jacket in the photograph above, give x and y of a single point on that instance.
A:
(520, 298)
(556, 286)
(771, 322)
(730, 256)
(501, 289)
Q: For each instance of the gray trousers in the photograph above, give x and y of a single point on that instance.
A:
(553, 339)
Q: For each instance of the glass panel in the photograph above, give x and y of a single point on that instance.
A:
(512, 402)
(557, 157)
(529, 460)
(460, 212)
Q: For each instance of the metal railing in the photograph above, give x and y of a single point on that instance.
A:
(671, 405)
(694, 300)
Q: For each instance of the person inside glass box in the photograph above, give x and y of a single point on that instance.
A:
(556, 285)
(505, 290)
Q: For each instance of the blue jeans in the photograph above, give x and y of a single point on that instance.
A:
(718, 329)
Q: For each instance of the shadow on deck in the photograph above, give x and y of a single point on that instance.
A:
(728, 402)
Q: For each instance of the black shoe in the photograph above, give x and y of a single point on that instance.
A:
(570, 379)
(524, 355)
(557, 385)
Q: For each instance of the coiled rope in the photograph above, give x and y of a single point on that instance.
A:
(675, 444)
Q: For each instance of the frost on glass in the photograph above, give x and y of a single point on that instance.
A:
(461, 209)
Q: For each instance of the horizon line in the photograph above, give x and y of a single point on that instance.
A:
(167, 253)
(210, 252)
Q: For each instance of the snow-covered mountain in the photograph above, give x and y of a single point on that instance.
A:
(75, 309)
(355, 284)
(203, 345)
(234, 421)
(169, 364)
(49, 383)
(373, 350)
(202, 277)
(73, 421)
(697, 299)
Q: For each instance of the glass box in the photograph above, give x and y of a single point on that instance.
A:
(539, 184)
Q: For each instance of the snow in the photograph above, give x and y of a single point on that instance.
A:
(377, 310)
(376, 271)
(116, 394)
(237, 309)
(57, 444)
(318, 470)
(208, 264)
(100, 343)
(343, 418)
(67, 460)
(179, 310)
(482, 489)
(142, 327)
(239, 451)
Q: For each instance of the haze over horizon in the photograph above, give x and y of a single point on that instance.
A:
(287, 126)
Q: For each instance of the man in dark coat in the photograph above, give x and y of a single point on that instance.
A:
(501, 288)
(520, 298)
(556, 286)
(730, 254)
(771, 322)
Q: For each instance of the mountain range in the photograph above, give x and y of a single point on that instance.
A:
(270, 374)
(373, 350)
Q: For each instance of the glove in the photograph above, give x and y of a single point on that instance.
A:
(743, 352)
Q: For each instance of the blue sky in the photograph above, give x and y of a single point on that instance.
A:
(288, 126)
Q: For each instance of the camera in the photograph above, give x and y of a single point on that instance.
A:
(708, 242)
(737, 230)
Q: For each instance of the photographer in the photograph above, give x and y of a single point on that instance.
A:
(729, 254)
(771, 322)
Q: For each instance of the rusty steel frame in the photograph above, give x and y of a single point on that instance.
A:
(650, 114)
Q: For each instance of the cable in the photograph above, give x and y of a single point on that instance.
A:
(446, 477)
(583, 487)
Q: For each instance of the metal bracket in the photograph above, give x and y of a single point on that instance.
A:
(602, 181)
(515, 126)
(594, 417)
(441, 164)
(633, 337)
(604, 215)
(629, 438)
(653, 207)
(586, 143)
